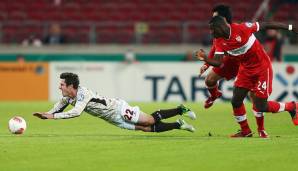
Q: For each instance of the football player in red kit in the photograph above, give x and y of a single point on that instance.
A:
(228, 70)
(255, 71)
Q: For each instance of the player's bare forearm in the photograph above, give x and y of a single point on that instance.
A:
(43, 115)
(277, 25)
(216, 61)
(213, 62)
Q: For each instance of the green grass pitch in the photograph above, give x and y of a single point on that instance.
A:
(89, 143)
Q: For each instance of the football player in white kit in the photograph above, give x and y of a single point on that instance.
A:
(115, 111)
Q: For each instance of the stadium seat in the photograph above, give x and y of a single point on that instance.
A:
(117, 12)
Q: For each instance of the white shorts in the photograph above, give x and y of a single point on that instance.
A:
(127, 116)
(130, 114)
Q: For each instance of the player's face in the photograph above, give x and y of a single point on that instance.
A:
(65, 90)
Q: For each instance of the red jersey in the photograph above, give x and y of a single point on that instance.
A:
(212, 50)
(243, 45)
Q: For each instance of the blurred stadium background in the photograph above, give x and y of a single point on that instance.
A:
(125, 21)
(141, 51)
(88, 33)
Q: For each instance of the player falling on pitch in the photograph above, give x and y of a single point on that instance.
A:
(115, 111)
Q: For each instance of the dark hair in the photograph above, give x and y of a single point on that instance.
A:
(224, 11)
(70, 79)
(217, 21)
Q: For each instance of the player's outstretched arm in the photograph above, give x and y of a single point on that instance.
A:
(277, 25)
(43, 115)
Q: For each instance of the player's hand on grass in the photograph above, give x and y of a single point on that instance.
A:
(200, 55)
(43, 115)
(203, 69)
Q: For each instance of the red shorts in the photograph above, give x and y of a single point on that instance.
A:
(228, 70)
(258, 82)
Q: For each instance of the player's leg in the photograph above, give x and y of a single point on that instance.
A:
(228, 71)
(145, 120)
(275, 107)
(257, 102)
(162, 126)
(259, 116)
(262, 91)
(135, 116)
(143, 128)
(159, 127)
(211, 82)
(259, 119)
(168, 113)
(239, 112)
(148, 124)
(157, 116)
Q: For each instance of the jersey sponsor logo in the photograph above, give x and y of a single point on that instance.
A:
(248, 24)
(80, 97)
(238, 39)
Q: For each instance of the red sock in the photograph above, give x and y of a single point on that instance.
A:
(290, 106)
(260, 123)
(274, 106)
(259, 118)
(213, 91)
(240, 115)
(244, 126)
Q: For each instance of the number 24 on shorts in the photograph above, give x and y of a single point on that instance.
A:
(262, 86)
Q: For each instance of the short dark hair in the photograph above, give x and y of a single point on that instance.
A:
(224, 11)
(217, 21)
(70, 79)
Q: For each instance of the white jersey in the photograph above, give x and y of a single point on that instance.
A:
(86, 100)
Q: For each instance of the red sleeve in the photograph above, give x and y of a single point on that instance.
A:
(218, 49)
(251, 27)
(212, 51)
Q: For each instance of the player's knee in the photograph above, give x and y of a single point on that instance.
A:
(236, 103)
(210, 82)
(261, 107)
(149, 121)
(156, 116)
